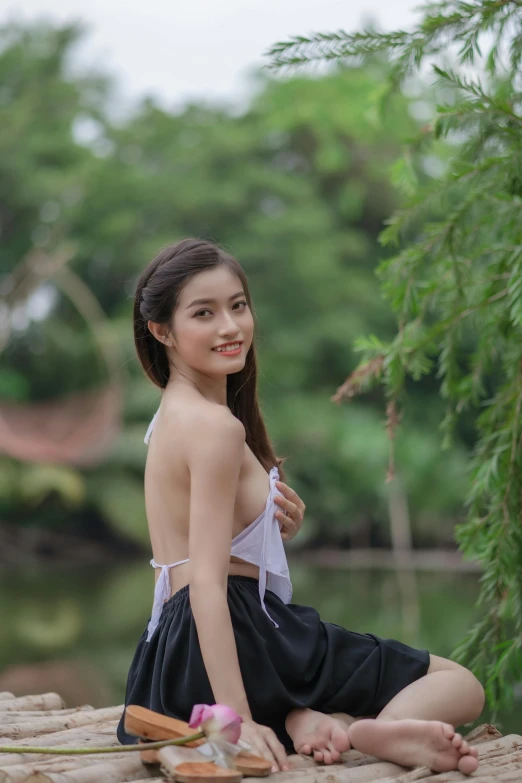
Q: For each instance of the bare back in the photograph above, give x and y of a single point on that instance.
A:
(167, 487)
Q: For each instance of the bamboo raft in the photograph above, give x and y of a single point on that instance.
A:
(43, 720)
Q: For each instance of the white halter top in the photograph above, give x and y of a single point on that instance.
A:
(260, 544)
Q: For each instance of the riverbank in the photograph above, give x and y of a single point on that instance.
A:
(21, 546)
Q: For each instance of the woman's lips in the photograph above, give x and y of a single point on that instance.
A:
(235, 352)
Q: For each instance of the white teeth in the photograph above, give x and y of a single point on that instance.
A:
(231, 347)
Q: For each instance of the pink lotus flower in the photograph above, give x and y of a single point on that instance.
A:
(220, 723)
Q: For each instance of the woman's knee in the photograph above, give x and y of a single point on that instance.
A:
(474, 689)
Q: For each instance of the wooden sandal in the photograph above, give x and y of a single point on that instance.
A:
(174, 762)
(150, 725)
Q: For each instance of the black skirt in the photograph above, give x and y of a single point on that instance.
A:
(304, 663)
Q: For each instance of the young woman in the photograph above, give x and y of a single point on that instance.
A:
(222, 627)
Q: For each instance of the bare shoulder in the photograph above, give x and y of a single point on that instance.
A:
(205, 425)
(217, 421)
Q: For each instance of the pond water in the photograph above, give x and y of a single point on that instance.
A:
(75, 630)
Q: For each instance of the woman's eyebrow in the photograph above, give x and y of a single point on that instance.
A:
(211, 301)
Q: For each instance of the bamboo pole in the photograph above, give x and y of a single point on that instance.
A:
(493, 757)
(484, 771)
(40, 701)
(39, 726)
(115, 750)
(371, 772)
(100, 735)
(500, 761)
(500, 757)
(57, 761)
(9, 760)
(354, 758)
(18, 716)
(106, 772)
(419, 773)
(303, 766)
(104, 728)
(18, 773)
(499, 747)
(510, 776)
(483, 733)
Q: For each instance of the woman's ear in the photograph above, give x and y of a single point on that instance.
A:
(161, 333)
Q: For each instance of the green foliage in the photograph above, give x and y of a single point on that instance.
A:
(24, 484)
(297, 186)
(120, 500)
(40, 163)
(455, 283)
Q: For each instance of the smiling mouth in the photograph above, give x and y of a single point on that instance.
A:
(228, 347)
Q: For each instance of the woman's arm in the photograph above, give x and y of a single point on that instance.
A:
(215, 456)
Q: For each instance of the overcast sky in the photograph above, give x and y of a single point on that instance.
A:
(204, 49)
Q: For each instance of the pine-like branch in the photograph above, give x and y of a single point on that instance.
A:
(442, 24)
(456, 287)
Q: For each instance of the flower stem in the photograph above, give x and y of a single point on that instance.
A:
(92, 751)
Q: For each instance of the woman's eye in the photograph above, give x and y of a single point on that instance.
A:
(199, 312)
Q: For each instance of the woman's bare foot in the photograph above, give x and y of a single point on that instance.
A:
(414, 743)
(314, 732)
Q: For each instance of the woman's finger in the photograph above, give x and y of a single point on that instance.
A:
(287, 526)
(290, 493)
(286, 504)
(287, 491)
(259, 746)
(287, 519)
(279, 752)
(265, 752)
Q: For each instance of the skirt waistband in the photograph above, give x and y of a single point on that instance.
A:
(234, 579)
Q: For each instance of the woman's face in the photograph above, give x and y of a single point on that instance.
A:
(199, 327)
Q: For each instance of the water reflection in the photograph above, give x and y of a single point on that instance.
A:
(75, 631)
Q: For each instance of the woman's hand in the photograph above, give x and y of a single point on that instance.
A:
(291, 517)
(264, 742)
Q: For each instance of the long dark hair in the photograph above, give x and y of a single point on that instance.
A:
(157, 295)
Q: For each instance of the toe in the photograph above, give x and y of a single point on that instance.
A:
(473, 752)
(306, 749)
(464, 748)
(448, 730)
(457, 741)
(340, 739)
(318, 756)
(334, 753)
(467, 764)
(327, 756)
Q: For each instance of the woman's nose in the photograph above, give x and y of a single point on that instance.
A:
(228, 325)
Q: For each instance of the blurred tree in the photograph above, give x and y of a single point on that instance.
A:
(456, 287)
(42, 172)
(297, 186)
